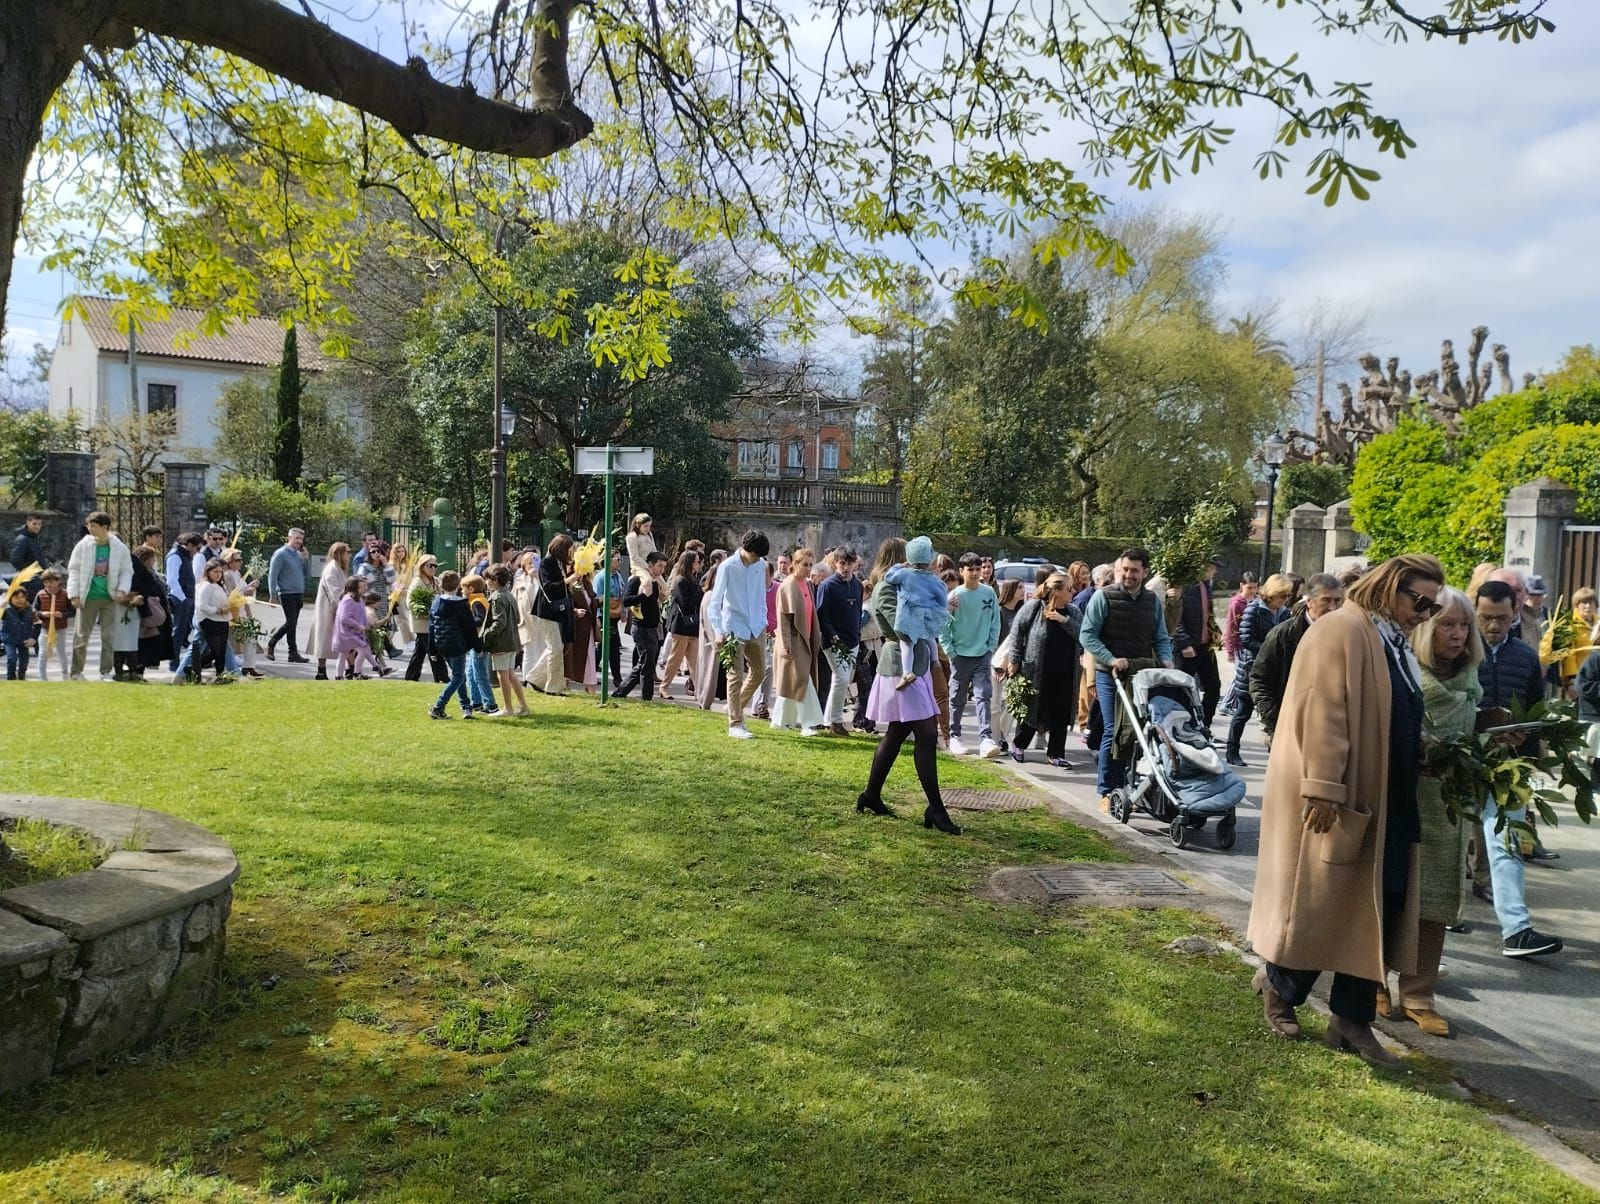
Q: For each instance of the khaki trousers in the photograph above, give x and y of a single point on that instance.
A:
(744, 678)
(95, 610)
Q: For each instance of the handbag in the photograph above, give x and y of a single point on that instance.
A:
(1002, 654)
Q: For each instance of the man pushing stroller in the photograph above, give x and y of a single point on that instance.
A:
(1123, 625)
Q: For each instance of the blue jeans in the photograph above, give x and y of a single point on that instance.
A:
(478, 687)
(456, 685)
(16, 662)
(972, 677)
(1112, 772)
(1506, 875)
(196, 643)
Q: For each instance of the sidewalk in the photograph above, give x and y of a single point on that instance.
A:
(1527, 1031)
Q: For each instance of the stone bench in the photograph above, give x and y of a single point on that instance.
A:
(99, 962)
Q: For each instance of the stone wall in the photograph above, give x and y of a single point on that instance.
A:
(100, 962)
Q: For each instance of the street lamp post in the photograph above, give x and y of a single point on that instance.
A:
(497, 456)
(1273, 453)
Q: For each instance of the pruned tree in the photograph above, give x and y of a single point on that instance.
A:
(828, 146)
(135, 445)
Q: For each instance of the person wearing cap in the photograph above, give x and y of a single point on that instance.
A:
(1531, 622)
(1193, 639)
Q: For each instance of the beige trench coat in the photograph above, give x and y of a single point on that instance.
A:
(797, 644)
(1319, 896)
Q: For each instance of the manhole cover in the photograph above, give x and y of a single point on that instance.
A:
(1066, 880)
(988, 800)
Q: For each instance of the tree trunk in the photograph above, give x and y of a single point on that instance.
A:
(40, 43)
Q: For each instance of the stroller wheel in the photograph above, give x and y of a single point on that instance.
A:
(1227, 831)
(1180, 831)
(1120, 806)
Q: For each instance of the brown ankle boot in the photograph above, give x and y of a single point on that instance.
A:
(1358, 1038)
(1280, 1015)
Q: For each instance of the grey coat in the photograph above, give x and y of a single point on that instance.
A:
(1028, 633)
(881, 606)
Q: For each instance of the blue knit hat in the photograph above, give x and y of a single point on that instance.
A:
(919, 550)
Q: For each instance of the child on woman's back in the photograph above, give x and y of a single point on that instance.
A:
(922, 610)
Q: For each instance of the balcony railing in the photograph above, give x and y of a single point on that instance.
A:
(802, 497)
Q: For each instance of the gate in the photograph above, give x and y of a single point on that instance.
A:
(131, 511)
(1580, 558)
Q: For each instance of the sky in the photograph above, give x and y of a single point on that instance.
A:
(1494, 219)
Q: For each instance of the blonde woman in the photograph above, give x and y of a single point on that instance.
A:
(798, 644)
(1449, 650)
(1337, 886)
(330, 592)
(233, 579)
(420, 593)
(1266, 611)
(405, 571)
(641, 542)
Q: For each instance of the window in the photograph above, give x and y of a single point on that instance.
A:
(797, 454)
(160, 399)
(830, 456)
(758, 458)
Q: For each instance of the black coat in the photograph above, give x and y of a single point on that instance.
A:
(1028, 634)
(1515, 675)
(1589, 689)
(686, 595)
(1269, 671)
(156, 647)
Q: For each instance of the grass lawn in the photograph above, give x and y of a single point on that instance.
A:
(602, 957)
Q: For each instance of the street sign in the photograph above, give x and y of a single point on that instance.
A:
(623, 462)
(611, 463)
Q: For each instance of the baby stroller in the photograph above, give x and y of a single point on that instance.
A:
(1175, 774)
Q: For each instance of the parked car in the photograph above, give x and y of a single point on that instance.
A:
(1024, 570)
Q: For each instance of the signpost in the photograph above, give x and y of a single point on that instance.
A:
(611, 462)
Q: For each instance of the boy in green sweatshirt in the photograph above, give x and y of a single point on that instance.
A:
(970, 640)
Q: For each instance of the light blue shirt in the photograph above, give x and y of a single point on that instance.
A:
(739, 599)
(1094, 616)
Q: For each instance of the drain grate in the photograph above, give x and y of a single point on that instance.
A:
(1066, 881)
(988, 800)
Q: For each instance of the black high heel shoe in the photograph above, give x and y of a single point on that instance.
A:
(874, 805)
(939, 819)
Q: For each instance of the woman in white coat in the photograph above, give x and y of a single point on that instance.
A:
(330, 589)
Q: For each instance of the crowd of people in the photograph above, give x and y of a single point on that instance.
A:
(1362, 869)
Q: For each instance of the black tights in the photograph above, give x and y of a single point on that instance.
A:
(925, 733)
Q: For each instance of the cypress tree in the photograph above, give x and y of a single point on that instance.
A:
(286, 457)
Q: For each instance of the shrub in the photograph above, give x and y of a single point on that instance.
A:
(1320, 484)
(269, 509)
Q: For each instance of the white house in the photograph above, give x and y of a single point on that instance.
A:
(168, 365)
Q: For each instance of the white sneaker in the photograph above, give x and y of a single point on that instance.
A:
(988, 750)
(808, 731)
(957, 748)
(740, 732)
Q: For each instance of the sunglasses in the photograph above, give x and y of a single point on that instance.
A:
(1425, 606)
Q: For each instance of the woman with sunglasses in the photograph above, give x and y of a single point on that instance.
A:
(1337, 884)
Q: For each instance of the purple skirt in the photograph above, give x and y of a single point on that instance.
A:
(886, 704)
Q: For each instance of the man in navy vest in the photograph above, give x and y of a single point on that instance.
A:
(1123, 622)
(180, 589)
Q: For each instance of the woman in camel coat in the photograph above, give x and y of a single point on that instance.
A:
(1337, 886)
(798, 644)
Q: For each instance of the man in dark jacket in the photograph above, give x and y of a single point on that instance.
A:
(1269, 672)
(1196, 626)
(1509, 672)
(25, 546)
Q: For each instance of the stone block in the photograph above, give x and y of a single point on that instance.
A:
(87, 906)
(194, 982)
(151, 831)
(110, 1012)
(24, 941)
(32, 1008)
(131, 947)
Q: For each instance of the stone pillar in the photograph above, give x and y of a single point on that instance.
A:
(1338, 535)
(1535, 514)
(1303, 539)
(183, 497)
(69, 485)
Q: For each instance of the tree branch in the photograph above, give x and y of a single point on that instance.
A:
(308, 53)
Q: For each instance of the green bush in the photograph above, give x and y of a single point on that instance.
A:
(269, 509)
(1320, 484)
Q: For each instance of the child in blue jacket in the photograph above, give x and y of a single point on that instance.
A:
(922, 611)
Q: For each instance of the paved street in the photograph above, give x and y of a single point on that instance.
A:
(1515, 1017)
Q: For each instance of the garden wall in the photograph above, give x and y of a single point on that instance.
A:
(99, 962)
